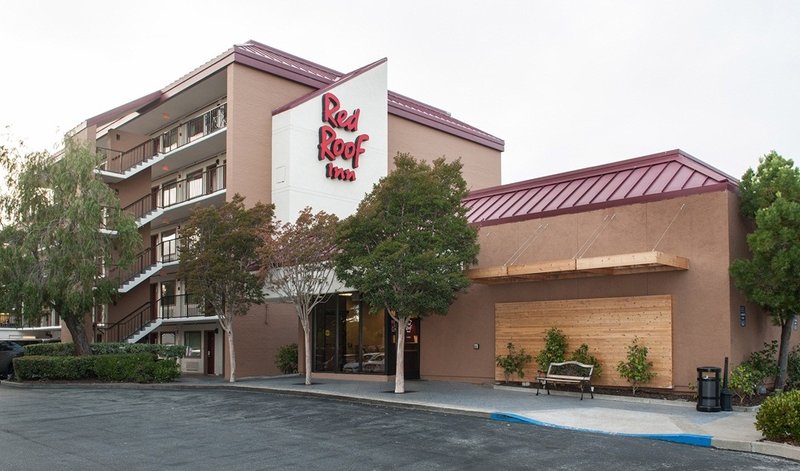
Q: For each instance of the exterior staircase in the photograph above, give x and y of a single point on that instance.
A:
(144, 330)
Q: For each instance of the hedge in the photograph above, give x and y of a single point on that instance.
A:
(68, 349)
(131, 367)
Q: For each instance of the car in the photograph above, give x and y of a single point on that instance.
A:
(372, 362)
(8, 351)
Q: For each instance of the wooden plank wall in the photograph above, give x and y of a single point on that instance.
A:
(607, 325)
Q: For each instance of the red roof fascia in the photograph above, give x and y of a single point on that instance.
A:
(321, 91)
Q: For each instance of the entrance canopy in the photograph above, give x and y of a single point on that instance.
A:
(607, 265)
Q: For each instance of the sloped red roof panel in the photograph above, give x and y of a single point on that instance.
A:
(658, 176)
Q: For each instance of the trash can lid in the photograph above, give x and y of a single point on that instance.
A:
(709, 368)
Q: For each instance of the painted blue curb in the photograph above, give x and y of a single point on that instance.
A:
(685, 438)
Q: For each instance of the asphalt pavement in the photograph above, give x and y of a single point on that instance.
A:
(674, 421)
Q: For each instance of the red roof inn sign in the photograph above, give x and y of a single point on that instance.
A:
(332, 146)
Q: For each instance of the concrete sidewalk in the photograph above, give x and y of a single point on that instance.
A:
(661, 420)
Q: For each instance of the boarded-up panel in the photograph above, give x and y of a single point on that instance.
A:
(607, 325)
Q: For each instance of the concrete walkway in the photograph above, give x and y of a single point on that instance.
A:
(661, 420)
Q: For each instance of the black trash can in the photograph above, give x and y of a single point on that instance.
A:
(708, 389)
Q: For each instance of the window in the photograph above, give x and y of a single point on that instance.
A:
(169, 193)
(192, 341)
(169, 246)
(194, 184)
(167, 338)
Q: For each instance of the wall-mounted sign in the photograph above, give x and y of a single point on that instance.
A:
(332, 146)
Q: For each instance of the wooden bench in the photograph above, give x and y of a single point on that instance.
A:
(568, 372)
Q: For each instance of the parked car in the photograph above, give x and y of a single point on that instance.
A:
(372, 362)
(8, 351)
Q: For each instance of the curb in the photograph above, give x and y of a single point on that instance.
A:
(684, 438)
(609, 397)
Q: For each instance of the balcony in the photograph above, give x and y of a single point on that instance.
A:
(201, 134)
(174, 199)
(150, 315)
(147, 263)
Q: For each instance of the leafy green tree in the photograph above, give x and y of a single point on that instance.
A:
(219, 263)
(771, 195)
(555, 348)
(637, 369)
(297, 261)
(53, 248)
(408, 244)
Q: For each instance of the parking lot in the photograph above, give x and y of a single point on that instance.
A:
(85, 428)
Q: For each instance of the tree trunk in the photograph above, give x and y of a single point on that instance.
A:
(783, 353)
(227, 327)
(78, 333)
(307, 351)
(399, 375)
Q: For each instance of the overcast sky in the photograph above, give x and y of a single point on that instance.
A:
(567, 84)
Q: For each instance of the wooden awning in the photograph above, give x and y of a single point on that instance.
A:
(607, 265)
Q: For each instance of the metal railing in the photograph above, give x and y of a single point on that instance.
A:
(207, 123)
(167, 307)
(166, 251)
(197, 184)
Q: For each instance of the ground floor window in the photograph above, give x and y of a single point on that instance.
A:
(348, 337)
(351, 337)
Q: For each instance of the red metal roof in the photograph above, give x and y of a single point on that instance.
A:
(280, 63)
(653, 177)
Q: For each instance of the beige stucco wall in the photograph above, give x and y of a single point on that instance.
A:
(252, 95)
(258, 335)
(701, 295)
(481, 164)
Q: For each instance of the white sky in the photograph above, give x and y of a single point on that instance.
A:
(566, 84)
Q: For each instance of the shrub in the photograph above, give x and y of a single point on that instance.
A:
(582, 355)
(286, 359)
(132, 367)
(68, 349)
(764, 362)
(555, 348)
(744, 381)
(514, 362)
(53, 368)
(793, 373)
(637, 370)
(778, 418)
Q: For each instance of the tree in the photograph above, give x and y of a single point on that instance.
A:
(219, 263)
(297, 262)
(771, 195)
(408, 244)
(54, 249)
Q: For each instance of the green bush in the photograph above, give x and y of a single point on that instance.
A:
(793, 372)
(637, 370)
(765, 362)
(582, 355)
(555, 349)
(778, 418)
(514, 362)
(286, 359)
(131, 367)
(68, 349)
(744, 381)
(29, 368)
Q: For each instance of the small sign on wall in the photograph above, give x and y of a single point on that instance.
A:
(742, 316)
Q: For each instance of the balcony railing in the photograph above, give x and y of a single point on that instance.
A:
(207, 123)
(167, 307)
(167, 251)
(196, 185)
